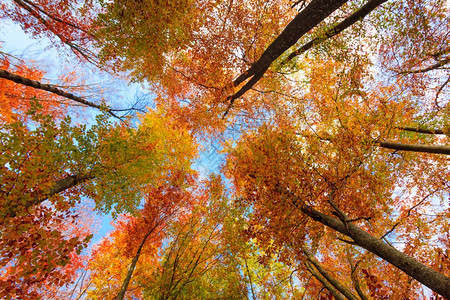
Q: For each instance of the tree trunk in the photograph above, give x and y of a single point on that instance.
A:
(420, 272)
(355, 17)
(336, 284)
(323, 281)
(307, 19)
(127, 280)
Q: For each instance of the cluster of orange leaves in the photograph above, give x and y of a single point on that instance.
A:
(16, 99)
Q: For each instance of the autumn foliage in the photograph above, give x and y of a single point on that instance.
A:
(16, 100)
(64, 22)
(332, 120)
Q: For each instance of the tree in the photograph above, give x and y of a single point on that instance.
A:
(342, 127)
(67, 22)
(344, 92)
(43, 181)
(174, 248)
(303, 163)
(16, 100)
(195, 253)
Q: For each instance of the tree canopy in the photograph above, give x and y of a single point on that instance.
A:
(331, 120)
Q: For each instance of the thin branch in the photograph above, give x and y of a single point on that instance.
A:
(249, 278)
(407, 214)
(85, 53)
(440, 90)
(84, 291)
(430, 68)
(21, 4)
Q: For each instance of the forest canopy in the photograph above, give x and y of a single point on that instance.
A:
(330, 120)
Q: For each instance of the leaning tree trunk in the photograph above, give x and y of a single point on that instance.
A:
(434, 280)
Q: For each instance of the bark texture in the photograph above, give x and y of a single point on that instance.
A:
(307, 19)
(432, 279)
(355, 17)
(323, 281)
(314, 13)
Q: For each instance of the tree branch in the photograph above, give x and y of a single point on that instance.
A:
(258, 69)
(83, 52)
(26, 5)
(354, 277)
(49, 88)
(243, 90)
(421, 130)
(430, 68)
(307, 19)
(416, 148)
(58, 187)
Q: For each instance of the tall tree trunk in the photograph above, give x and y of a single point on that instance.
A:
(333, 281)
(323, 281)
(432, 279)
(355, 17)
(307, 19)
(127, 279)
